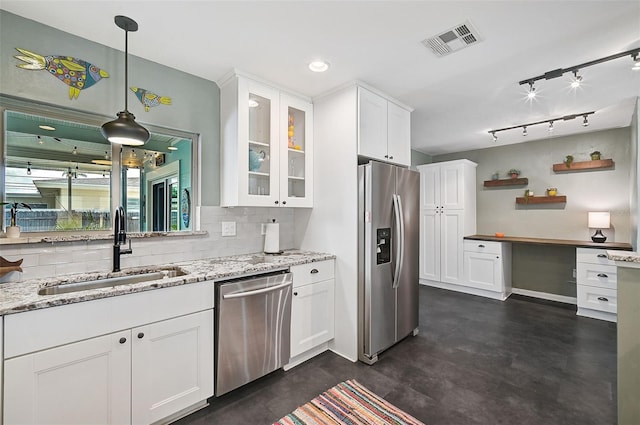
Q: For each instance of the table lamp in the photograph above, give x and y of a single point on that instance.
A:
(598, 221)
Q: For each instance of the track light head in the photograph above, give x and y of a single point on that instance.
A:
(495, 138)
(636, 62)
(585, 121)
(577, 80)
(532, 91)
(28, 168)
(550, 126)
(524, 130)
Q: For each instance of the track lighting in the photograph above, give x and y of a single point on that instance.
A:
(75, 150)
(577, 80)
(524, 127)
(561, 71)
(531, 94)
(57, 140)
(28, 168)
(636, 62)
(40, 139)
(124, 130)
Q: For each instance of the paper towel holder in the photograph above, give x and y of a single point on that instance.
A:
(272, 238)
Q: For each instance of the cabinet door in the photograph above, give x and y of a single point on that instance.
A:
(172, 366)
(296, 152)
(483, 271)
(429, 187)
(398, 134)
(87, 382)
(452, 186)
(312, 316)
(430, 244)
(258, 144)
(451, 248)
(372, 125)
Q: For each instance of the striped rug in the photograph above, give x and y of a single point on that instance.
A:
(348, 403)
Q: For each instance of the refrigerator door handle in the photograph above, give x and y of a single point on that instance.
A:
(399, 240)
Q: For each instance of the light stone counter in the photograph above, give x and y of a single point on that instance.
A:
(17, 297)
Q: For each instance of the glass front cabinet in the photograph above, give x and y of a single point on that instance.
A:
(266, 147)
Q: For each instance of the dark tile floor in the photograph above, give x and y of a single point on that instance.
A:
(475, 361)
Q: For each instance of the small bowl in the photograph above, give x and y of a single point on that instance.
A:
(499, 235)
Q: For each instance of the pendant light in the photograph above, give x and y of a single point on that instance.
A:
(124, 130)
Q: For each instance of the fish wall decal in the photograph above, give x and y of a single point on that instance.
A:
(76, 73)
(149, 99)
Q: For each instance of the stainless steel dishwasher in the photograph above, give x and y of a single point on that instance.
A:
(253, 328)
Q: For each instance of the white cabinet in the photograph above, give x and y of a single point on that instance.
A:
(384, 128)
(266, 145)
(172, 366)
(487, 268)
(447, 215)
(138, 358)
(596, 284)
(312, 308)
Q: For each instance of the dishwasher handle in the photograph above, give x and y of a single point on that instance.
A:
(255, 292)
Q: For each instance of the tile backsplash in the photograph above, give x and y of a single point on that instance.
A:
(43, 260)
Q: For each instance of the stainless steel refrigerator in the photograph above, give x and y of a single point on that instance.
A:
(388, 231)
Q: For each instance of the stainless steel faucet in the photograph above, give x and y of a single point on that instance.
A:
(119, 238)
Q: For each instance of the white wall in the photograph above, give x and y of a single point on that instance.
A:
(634, 177)
(46, 260)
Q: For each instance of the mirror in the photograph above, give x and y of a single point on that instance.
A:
(64, 170)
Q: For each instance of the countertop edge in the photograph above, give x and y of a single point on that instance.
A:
(558, 242)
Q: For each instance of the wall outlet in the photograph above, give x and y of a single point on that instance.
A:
(228, 228)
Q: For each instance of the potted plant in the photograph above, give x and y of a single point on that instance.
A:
(514, 173)
(568, 160)
(13, 231)
(595, 155)
(495, 176)
(552, 191)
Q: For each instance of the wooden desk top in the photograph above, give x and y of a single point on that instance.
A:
(562, 242)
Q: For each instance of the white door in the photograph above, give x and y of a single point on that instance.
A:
(87, 382)
(452, 186)
(429, 186)
(258, 144)
(398, 134)
(483, 271)
(296, 152)
(372, 125)
(451, 246)
(312, 316)
(430, 244)
(172, 366)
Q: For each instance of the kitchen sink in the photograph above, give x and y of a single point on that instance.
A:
(111, 281)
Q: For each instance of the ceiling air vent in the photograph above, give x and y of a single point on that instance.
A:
(452, 40)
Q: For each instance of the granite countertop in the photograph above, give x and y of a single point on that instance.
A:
(631, 257)
(16, 297)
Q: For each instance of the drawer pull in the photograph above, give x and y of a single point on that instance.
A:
(314, 271)
(602, 255)
(140, 335)
(603, 299)
(602, 275)
(295, 294)
(122, 340)
(480, 246)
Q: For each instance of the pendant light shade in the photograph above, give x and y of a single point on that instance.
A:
(124, 130)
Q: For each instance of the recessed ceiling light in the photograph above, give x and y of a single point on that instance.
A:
(47, 127)
(319, 66)
(172, 148)
(253, 103)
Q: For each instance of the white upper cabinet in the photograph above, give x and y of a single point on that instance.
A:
(266, 146)
(384, 129)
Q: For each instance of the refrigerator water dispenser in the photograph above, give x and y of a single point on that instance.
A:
(383, 242)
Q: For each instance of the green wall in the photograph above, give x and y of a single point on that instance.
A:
(195, 101)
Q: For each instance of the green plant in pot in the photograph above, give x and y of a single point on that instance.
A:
(13, 230)
(595, 155)
(568, 160)
(514, 173)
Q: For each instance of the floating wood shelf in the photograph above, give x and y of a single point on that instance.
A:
(541, 199)
(584, 165)
(506, 182)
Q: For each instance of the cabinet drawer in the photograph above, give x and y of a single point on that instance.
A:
(304, 274)
(483, 247)
(597, 275)
(595, 298)
(593, 256)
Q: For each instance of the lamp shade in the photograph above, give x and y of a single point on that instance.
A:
(124, 130)
(599, 220)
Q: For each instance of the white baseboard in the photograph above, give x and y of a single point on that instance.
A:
(545, 296)
(466, 289)
(301, 358)
(595, 314)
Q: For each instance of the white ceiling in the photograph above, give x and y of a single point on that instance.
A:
(457, 98)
